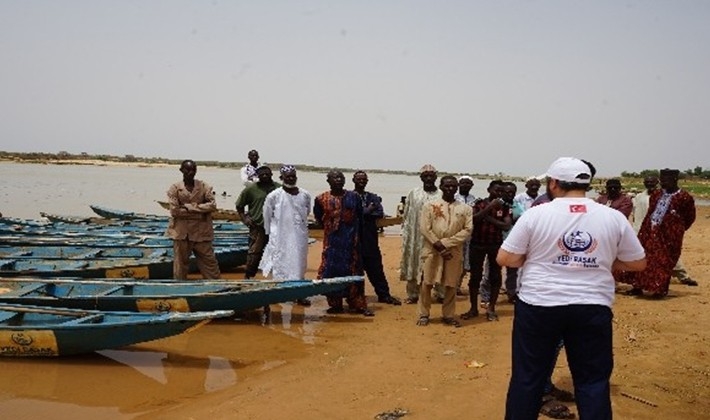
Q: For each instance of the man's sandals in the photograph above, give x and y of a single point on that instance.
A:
(551, 406)
(689, 282)
(554, 409)
(423, 321)
(451, 321)
(470, 314)
(390, 300)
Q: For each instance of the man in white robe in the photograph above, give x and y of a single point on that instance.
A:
(286, 212)
(412, 239)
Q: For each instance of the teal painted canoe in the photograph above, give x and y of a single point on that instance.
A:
(164, 295)
(156, 265)
(27, 330)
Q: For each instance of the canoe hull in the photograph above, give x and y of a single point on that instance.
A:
(137, 268)
(167, 295)
(63, 332)
(219, 214)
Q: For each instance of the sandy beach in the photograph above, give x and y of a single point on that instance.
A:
(357, 367)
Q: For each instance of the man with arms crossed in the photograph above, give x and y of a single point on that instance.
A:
(191, 205)
(567, 249)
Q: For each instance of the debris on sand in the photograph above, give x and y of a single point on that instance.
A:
(392, 415)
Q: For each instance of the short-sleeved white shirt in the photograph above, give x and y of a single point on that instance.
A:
(570, 245)
(524, 199)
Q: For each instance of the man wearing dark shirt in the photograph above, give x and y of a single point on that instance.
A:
(491, 216)
(252, 198)
(371, 256)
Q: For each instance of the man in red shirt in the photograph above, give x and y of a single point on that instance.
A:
(614, 198)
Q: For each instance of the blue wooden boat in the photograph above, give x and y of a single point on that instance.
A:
(219, 214)
(108, 241)
(11, 252)
(27, 330)
(86, 252)
(163, 295)
(11, 221)
(58, 218)
(109, 228)
(226, 214)
(155, 266)
(110, 213)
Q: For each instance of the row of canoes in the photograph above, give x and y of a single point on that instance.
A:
(157, 264)
(136, 248)
(108, 214)
(225, 214)
(61, 317)
(42, 316)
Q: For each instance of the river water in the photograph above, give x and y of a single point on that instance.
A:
(28, 189)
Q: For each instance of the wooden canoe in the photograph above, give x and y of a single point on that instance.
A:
(27, 330)
(108, 241)
(164, 295)
(109, 213)
(226, 214)
(219, 214)
(153, 266)
(122, 228)
(58, 218)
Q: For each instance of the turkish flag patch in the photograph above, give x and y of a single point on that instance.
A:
(577, 208)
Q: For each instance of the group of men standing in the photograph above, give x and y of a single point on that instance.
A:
(570, 253)
(277, 217)
(445, 235)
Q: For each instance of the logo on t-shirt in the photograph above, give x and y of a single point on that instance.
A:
(576, 247)
(577, 208)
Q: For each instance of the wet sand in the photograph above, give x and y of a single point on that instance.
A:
(305, 364)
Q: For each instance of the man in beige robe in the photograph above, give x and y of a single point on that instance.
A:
(445, 225)
(191, 205)
(411, 262)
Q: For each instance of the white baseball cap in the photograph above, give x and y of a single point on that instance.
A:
(568, 169)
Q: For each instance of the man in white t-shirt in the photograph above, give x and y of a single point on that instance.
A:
(248, 172)
(567, 249)
(527, 197)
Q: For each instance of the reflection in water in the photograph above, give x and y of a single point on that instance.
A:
(306, 325)
(120, 384)
(219, 374)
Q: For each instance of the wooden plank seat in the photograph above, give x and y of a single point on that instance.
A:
(85, 319)
(7, 316)
(109, 291)
(91, 254)
(25, 253)
(6, 264)
(25, 290)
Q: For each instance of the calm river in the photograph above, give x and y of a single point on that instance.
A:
(28, 189)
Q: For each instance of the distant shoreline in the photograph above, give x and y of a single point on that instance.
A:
(699, 188)
(88, 162)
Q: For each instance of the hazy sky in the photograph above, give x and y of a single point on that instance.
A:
(469, 86)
